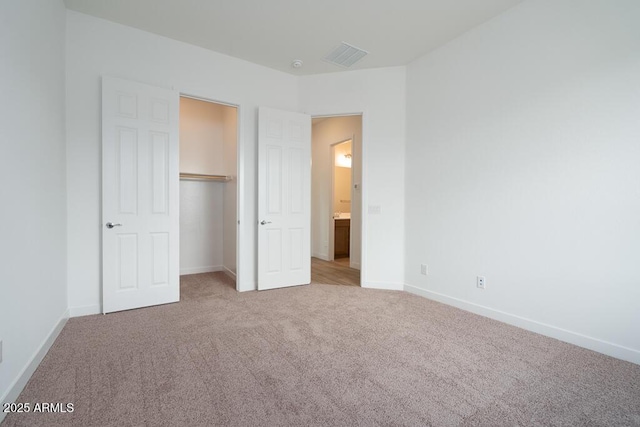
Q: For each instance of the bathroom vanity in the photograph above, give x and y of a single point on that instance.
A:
(341, 237)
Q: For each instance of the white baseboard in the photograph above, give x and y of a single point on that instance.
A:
(324, 257)
(198, 270)
(383, 285)
(355, 265)
(84, 310)
(229, 273)
(18, 385)
(605, 347)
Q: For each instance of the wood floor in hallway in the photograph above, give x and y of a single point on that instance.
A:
(334, 272)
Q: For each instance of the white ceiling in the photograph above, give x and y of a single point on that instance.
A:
(275, 32)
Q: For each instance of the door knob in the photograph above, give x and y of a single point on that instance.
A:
(263, 222)
(111, 225)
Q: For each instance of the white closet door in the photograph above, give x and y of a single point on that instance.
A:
(140, 205)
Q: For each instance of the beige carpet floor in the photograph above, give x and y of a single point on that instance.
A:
(320, 355)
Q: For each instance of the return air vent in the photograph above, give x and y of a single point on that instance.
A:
(345, 55)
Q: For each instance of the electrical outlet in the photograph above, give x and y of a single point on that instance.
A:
(424, 269)
(0, 351)
(481, 282)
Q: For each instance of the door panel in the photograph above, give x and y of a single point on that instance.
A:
(160, 177)
(274, 180)
(127, 170)
(139, 195)
(284, 199)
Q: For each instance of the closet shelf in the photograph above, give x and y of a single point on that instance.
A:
(203, 177)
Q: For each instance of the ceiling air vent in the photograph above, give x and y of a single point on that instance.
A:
(345, 55)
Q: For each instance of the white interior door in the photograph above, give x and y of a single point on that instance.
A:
(284, 199)
(140, 205)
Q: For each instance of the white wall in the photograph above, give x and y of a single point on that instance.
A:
(523, 154)
(96, 47)
(380, 95)
(33, 291)
(201, 137)
(324, 133)
(201, 226)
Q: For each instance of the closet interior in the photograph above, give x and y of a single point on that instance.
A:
(208, 187)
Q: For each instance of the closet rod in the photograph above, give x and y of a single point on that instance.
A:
(203, 177)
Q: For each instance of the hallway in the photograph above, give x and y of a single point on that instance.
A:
(334, 272)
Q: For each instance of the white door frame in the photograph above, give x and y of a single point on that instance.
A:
(239, 177)
(363, 182)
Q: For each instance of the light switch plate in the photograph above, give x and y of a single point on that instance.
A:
(374, 209)
(424, 269)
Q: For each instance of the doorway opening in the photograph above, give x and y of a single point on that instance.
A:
(336, 199)
(208, 189)
(341, 199)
